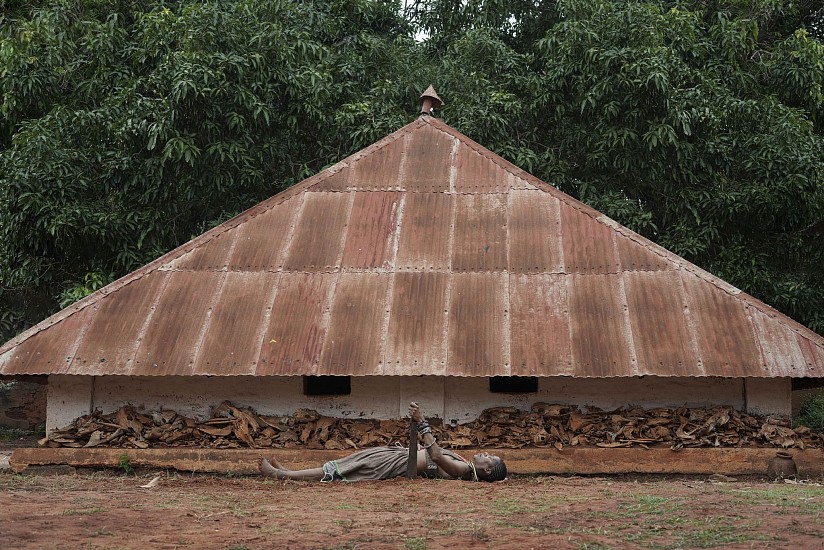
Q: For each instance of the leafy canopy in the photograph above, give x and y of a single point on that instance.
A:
(127, 128)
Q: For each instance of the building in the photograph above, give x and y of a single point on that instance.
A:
(426, 268)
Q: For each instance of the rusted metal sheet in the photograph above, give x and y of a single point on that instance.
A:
(318, 236)
(664, 343)
(477, 325)
(416, 342)
(427, 167)
(636, 257)
(111, 340)
(813, 356)
(588, 246)
(373, 227)
(534, 225)
(173, 335)
(233, 337)
(480, 233)
(339, 181)
(539, 325)
(212, 255)
(380, 170)
(355, 328)
(779, 347)
(601, 339)
(426, 232)
(297, 324)
(479, 174)
(450, 260)
(50, 351)
(260, 240)
(726, 342)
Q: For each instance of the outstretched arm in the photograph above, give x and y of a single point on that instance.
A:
(452, 467)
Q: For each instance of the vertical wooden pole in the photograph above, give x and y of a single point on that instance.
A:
(412, 461)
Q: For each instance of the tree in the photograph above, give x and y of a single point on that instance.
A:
(126, 128)
(130, 127)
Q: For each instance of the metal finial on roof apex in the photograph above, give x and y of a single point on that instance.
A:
(429, 101)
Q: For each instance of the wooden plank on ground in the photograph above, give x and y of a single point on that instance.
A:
(727, 461)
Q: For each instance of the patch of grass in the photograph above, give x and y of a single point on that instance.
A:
(417, 543)
(650, 504)
(11, 434)
(811, 413)
(712, 532)
(125, 465)
(804, 500)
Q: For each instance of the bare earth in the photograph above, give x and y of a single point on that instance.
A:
(111, 510)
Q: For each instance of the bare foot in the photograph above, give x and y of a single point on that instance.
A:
(274, 462)
(266, 469)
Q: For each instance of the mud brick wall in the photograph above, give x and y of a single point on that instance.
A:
(23, 403)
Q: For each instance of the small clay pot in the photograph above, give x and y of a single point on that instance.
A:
(782, 466)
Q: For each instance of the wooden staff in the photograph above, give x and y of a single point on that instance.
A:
(412, 461)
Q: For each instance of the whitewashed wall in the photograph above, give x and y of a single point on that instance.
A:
(456, 400)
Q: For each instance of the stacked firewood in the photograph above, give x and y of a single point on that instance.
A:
(544, 425)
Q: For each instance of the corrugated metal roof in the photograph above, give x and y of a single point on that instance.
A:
(422, 254)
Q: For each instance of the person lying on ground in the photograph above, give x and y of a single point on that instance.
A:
(391, 461)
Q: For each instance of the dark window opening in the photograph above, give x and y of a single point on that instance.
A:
(513, 384)
(327, 385)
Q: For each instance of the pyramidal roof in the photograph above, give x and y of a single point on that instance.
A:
(424, 253)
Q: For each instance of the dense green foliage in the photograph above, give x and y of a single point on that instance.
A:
(812, 413)
(127, 128)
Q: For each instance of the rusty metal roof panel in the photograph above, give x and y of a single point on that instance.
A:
(725, 336)
(297, 324)
(317, 243)
(423, 253)
(480, 233)
(372, 231)
(335, 181)
(52, 350)
(782, 355)
(356, 327)
(601, 339)
(176, 324)
(261, 241)
(633, 256)
(534, 226)
(213, 257)
(475, 173)
(233, 338)
(114, 332)
(428, 163)
(813, 356)
(416, 339)
(379, 171)
(426, 232)
(539, 325)
(663, 340)
(477, 317)
(588, 244)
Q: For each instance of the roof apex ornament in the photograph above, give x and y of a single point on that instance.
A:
(429, 101)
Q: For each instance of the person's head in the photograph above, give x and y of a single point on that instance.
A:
(489, 467)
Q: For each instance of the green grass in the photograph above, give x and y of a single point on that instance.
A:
(417, 543)
(11, 434)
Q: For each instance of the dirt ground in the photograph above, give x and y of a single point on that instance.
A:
(111, 510)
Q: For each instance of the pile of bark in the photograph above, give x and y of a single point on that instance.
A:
(544, 425)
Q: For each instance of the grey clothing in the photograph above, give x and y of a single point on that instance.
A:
(374, 463)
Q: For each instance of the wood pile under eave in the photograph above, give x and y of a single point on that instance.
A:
(500, 427)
